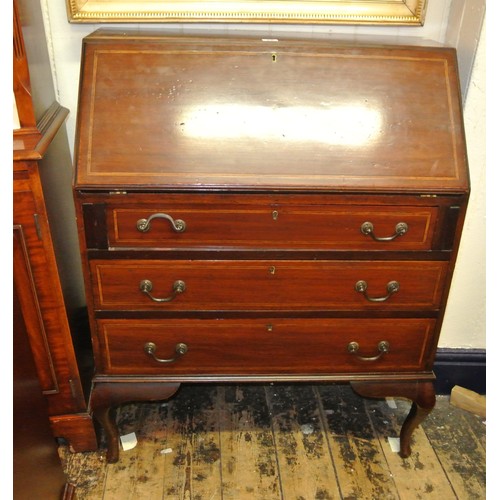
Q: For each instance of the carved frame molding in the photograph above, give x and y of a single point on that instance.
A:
(368, 12)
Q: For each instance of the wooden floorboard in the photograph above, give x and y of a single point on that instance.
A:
(421, 474)
(362, 469)
(453, 435)
(305, 466)
(249, 459)
(284, 442)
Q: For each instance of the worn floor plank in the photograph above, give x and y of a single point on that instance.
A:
(286, 442)
(462, 455)
(193, 469)
(150, 462)
(305, 466)
(420, 475)
(122, 477)
(362, 470)
(249, 461)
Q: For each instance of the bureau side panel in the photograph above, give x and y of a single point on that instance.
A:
(52, 341)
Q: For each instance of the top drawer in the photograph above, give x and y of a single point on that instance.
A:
(270, 226)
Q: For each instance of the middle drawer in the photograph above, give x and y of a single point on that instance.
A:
(215, 285)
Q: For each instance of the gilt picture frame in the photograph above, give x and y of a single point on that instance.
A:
(353, 12)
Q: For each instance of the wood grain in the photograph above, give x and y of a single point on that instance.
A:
(249, 457)
(305, 466)
(360, 463)
(193, 469)
(270, 284)
(121, 478)
(270, 223)
(314, 346)
(275, 441)
(274, 154)
(458, 438)
(421, 474)
(373, 121)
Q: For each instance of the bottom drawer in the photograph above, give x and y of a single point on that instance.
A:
(260, 346)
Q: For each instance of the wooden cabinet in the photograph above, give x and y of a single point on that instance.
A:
(38, 472)
(264, 210)
(36, 276)
(42, 305)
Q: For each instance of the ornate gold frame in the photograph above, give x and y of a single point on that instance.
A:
(371, 12)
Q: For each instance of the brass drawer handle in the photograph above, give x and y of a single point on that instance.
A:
(392, 287)
(144, 225)
(146, 286)
(383, 348)
(180, 349)
(400, 229)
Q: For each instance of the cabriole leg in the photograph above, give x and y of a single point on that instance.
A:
(422, 394)
(107, 395)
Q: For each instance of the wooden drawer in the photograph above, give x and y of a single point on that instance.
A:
(260, 346)
(255, 226)
(266, 285)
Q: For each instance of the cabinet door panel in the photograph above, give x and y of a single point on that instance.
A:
(51, 339)
(25, 288)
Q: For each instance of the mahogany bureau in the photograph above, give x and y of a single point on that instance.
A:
(266, 210)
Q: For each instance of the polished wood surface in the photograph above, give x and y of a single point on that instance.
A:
(41, 298)
(421, 394)
(33, 146)
(285, 114)
(247, 170)
(21, 83)
(105, 397)
(37, 470)
(39, 290)
(42, 305)
(265, 347)
(271, 225)
(226, 221)
(215, 285)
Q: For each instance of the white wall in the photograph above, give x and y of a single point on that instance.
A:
(465, 318)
